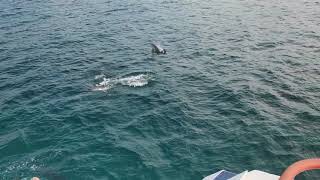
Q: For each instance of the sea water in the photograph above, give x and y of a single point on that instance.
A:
(83, 97)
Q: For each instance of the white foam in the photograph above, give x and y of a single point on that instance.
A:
(17, 166)
(135, 81)
(132, 81)
(104, 85)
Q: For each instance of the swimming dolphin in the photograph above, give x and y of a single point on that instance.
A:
(157, 49)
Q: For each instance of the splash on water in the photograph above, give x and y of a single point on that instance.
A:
(132, 81)
(104, 85)
(29, 166)
(135, 81)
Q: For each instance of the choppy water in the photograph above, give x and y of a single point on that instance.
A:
(81, 96)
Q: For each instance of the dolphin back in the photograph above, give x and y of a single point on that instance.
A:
(156, 48)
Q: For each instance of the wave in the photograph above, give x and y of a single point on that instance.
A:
(132, 81)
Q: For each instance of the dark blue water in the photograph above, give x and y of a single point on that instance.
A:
(82, 97)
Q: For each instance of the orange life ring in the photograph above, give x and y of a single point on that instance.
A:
(300, 166)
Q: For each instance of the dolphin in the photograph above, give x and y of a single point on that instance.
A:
(157, 49)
